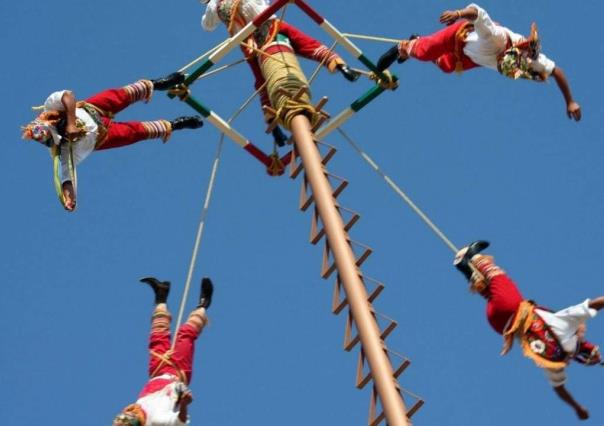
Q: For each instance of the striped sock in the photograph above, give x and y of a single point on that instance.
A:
(141, 90)
(160, 321)
(158, 129)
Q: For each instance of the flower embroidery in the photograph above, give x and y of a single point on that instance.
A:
(538, 346)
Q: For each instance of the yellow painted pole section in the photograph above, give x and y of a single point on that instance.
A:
(369, 333)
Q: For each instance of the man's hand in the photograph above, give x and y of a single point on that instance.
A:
(573, 110)
(69, 196)
(72, 132)
(185, 399)
(449, 17)
(582, 413)
(183, 403)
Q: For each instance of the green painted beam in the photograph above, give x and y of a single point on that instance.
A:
(198, 106)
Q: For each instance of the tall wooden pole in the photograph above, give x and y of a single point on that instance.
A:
(367, 327)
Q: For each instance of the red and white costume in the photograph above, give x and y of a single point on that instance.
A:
(272, 37)
(555, 341)
(169, 371)
(459, 47)
(95, 118)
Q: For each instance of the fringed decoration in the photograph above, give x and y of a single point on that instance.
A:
(141, 90)
(533, 347)
(460, 41)
(158, 129)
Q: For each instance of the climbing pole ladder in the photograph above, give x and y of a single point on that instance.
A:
(346, 256)
(353, 289)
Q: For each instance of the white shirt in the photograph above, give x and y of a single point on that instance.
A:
(160, 407)
(84, 145)
(564, 325)
(489, 39)
(248, 9)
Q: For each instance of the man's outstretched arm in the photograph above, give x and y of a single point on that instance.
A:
(565, 396)
(69, 103)
(573, 110)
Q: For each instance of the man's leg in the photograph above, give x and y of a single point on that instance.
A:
(112, 101)
(503, 296)
(159, 340)
(433, 46)
(127, 133)
(184, 347)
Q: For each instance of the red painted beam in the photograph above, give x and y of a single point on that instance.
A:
(310, 11)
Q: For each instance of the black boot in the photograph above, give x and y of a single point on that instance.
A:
(193, 122)
(348, 73)
(388, 58)
(205, 296)
(279, 137)
(463, 264)
(168, 81)
(160, 288)
(411, 37)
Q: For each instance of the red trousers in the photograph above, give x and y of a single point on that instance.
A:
(119, 133)
(440, 49)
(503, 301)
(182, 357)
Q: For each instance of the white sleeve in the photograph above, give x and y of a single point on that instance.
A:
(543, 64)
(555, 377)
(210, 19)
(53, 102)
(485, 27)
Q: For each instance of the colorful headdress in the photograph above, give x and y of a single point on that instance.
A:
(132, 415)
(515, 62)
(43, 128)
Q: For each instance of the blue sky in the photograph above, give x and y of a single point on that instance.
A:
(485, 157)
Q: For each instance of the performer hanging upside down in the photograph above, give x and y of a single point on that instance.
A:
(471, 39)
(272, 37)
(551, 339)
(89, 124)
(166, 396)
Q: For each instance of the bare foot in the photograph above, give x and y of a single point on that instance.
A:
(69, 196)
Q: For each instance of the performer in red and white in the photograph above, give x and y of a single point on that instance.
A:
(165, 398)
(271, 37)
(89, 124)
(551, 339)
(471, 39)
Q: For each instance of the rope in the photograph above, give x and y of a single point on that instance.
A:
(372, 38)
(205, 55)
(202, 220)
(400, 192)
(55, 153)
(316, 72)
(219, 69)
(283, 84)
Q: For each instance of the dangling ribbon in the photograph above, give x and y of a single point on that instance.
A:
(55, 153)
